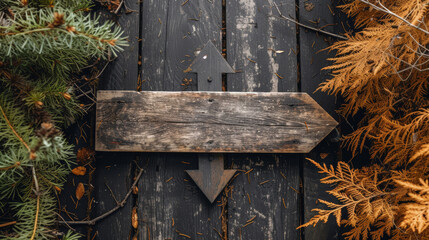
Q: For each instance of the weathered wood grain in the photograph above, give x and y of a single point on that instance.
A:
(182, 31)
(252, 35)
(121, 74)
(114, 170)
(209, 122)
(154, 35)
(261, 47)
(313, 59)
(170, 203)
(190, 26)
(269, 192)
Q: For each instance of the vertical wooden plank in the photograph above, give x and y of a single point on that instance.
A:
(171, 204)
(253, 36)
(269, 192)
(121, 74)
(312, 61)
(190, 25)
(154, 34)
(114, 170)
(173, 32)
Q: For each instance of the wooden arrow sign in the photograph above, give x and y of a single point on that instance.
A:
(210, 122)
(209, 66)
(211, 178)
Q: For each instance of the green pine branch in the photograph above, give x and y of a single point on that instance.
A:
(43, 43)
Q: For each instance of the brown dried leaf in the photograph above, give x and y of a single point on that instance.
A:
(80, 190)
(134, 218)
(323, 155)
(135, 190)
(84, 155)
(308, 6)
(79, 171)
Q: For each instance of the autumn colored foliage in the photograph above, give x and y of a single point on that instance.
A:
(382, 73)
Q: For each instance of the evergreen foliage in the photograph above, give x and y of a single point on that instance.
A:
(382, 72)
(42, 44)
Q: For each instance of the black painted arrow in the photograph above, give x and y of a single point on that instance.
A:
(211, 177)
(209, 66)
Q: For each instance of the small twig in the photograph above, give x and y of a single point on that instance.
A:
(104, 215)
(37, 192)
(119, 7)
(36, 218)
(111, 193)
(281, 16)
(59, 215)
(220, 235)
(7, 224)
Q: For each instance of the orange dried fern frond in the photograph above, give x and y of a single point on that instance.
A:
(416, 210)
(359, 195)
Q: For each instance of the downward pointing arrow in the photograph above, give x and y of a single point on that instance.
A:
(211, 177)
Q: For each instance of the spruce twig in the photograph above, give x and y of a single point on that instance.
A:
(13, 129)
(104, 215)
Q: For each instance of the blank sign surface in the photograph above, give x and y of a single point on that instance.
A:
(209, 122)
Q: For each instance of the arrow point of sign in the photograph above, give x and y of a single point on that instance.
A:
(210, 58)
(211, 177)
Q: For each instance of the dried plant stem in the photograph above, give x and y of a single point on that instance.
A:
(7, 224)
(281, 16)
(13, 129)
(9, 167)
(384, 9)
(118, 205)
(36, 218)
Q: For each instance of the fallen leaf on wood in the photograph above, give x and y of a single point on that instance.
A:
(84, 155)
(80, 190)
(79, 171)
(134, 218)
(135, 190)
(308, 6)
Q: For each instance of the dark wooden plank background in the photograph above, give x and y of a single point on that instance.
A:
(251, 33)
(321, 13)
(115, 171)
(164, 38)
(166, 191)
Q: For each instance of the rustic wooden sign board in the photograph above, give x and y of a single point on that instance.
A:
(209, 122)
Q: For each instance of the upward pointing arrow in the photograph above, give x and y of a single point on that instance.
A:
(209, 65)
(211, 177)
